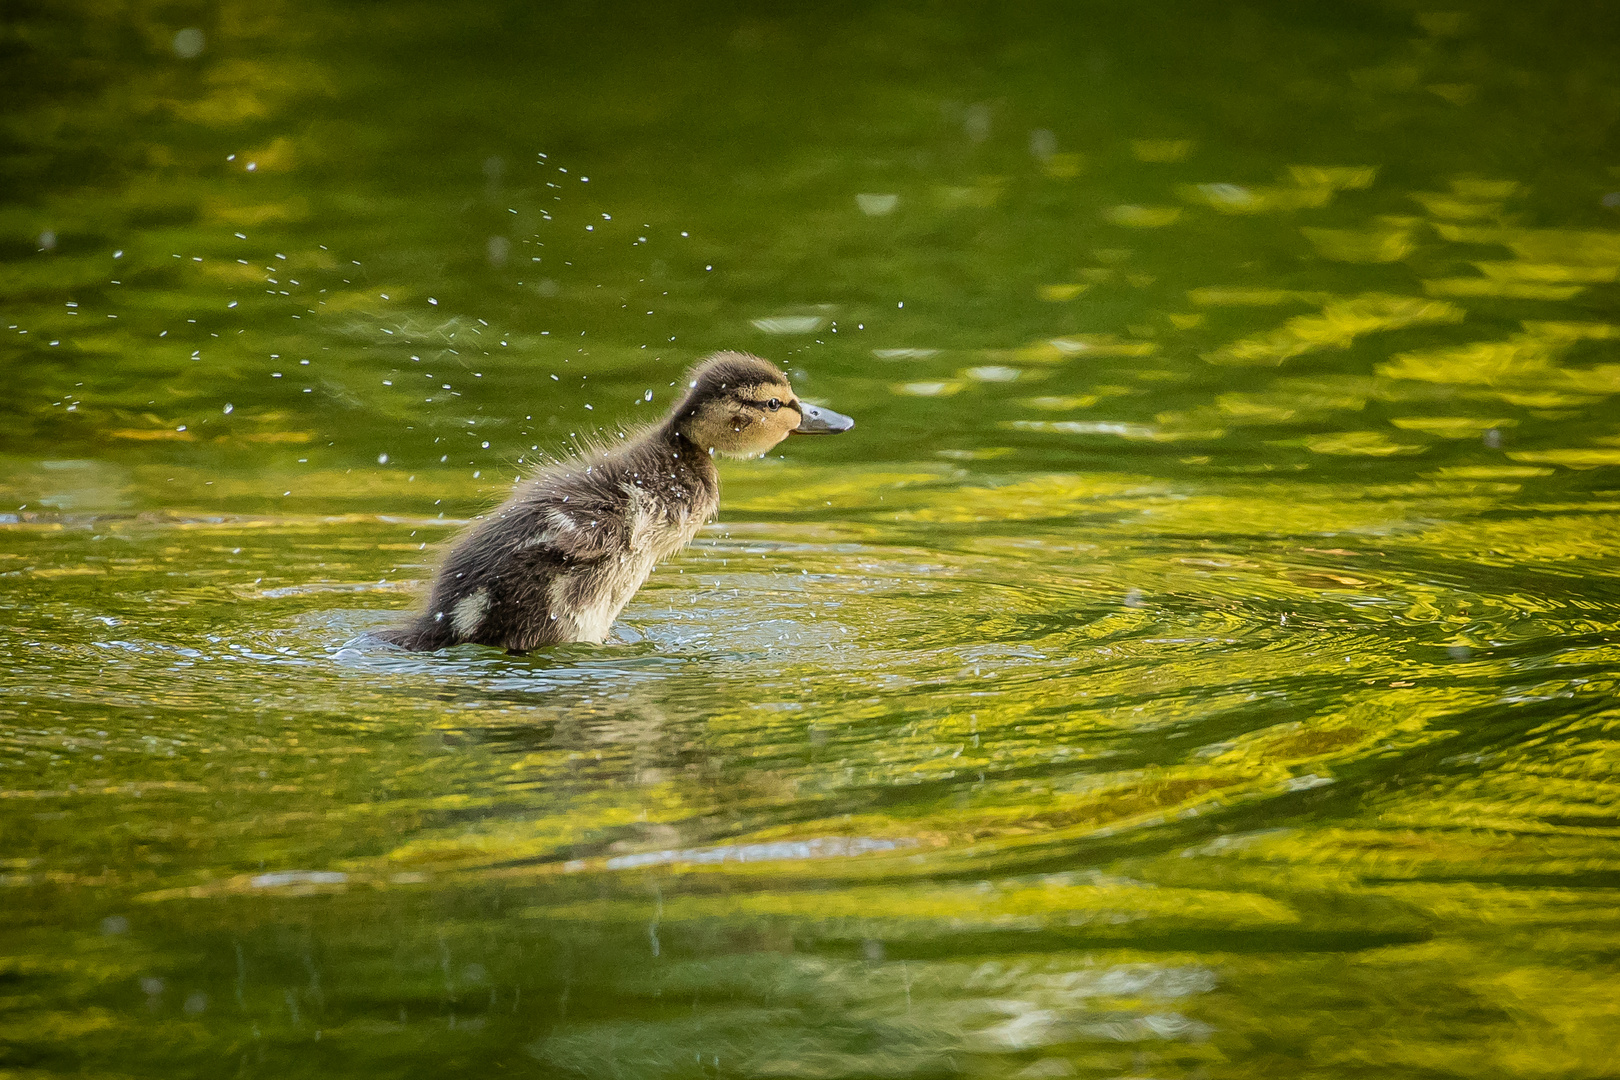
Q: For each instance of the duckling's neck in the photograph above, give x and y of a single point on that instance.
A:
(689, 464)
(668, 436)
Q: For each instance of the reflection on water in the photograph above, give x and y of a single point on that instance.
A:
(1200, 662)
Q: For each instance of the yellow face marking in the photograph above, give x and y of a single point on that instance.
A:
(740, 422)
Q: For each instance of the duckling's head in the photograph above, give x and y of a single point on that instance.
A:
(740, 405)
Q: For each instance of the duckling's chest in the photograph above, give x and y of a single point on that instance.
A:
(659, 524)
(664, 507)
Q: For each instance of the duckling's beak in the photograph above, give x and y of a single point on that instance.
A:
(814, 420)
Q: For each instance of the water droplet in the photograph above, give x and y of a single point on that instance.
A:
(189, 43)
(976, 122)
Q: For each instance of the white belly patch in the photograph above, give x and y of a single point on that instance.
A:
(469, 612)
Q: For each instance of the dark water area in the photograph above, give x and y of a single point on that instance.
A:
(1199, 662)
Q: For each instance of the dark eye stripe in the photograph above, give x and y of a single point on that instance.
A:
(765, 405)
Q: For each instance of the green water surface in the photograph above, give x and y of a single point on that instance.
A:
(1199, 662)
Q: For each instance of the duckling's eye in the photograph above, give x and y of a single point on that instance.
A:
(774, 404)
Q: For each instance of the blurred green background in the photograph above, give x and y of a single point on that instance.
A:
(1199, 662)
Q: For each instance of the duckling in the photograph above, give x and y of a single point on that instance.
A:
(559, 559)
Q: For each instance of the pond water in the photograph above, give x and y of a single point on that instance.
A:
(1200, 660)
